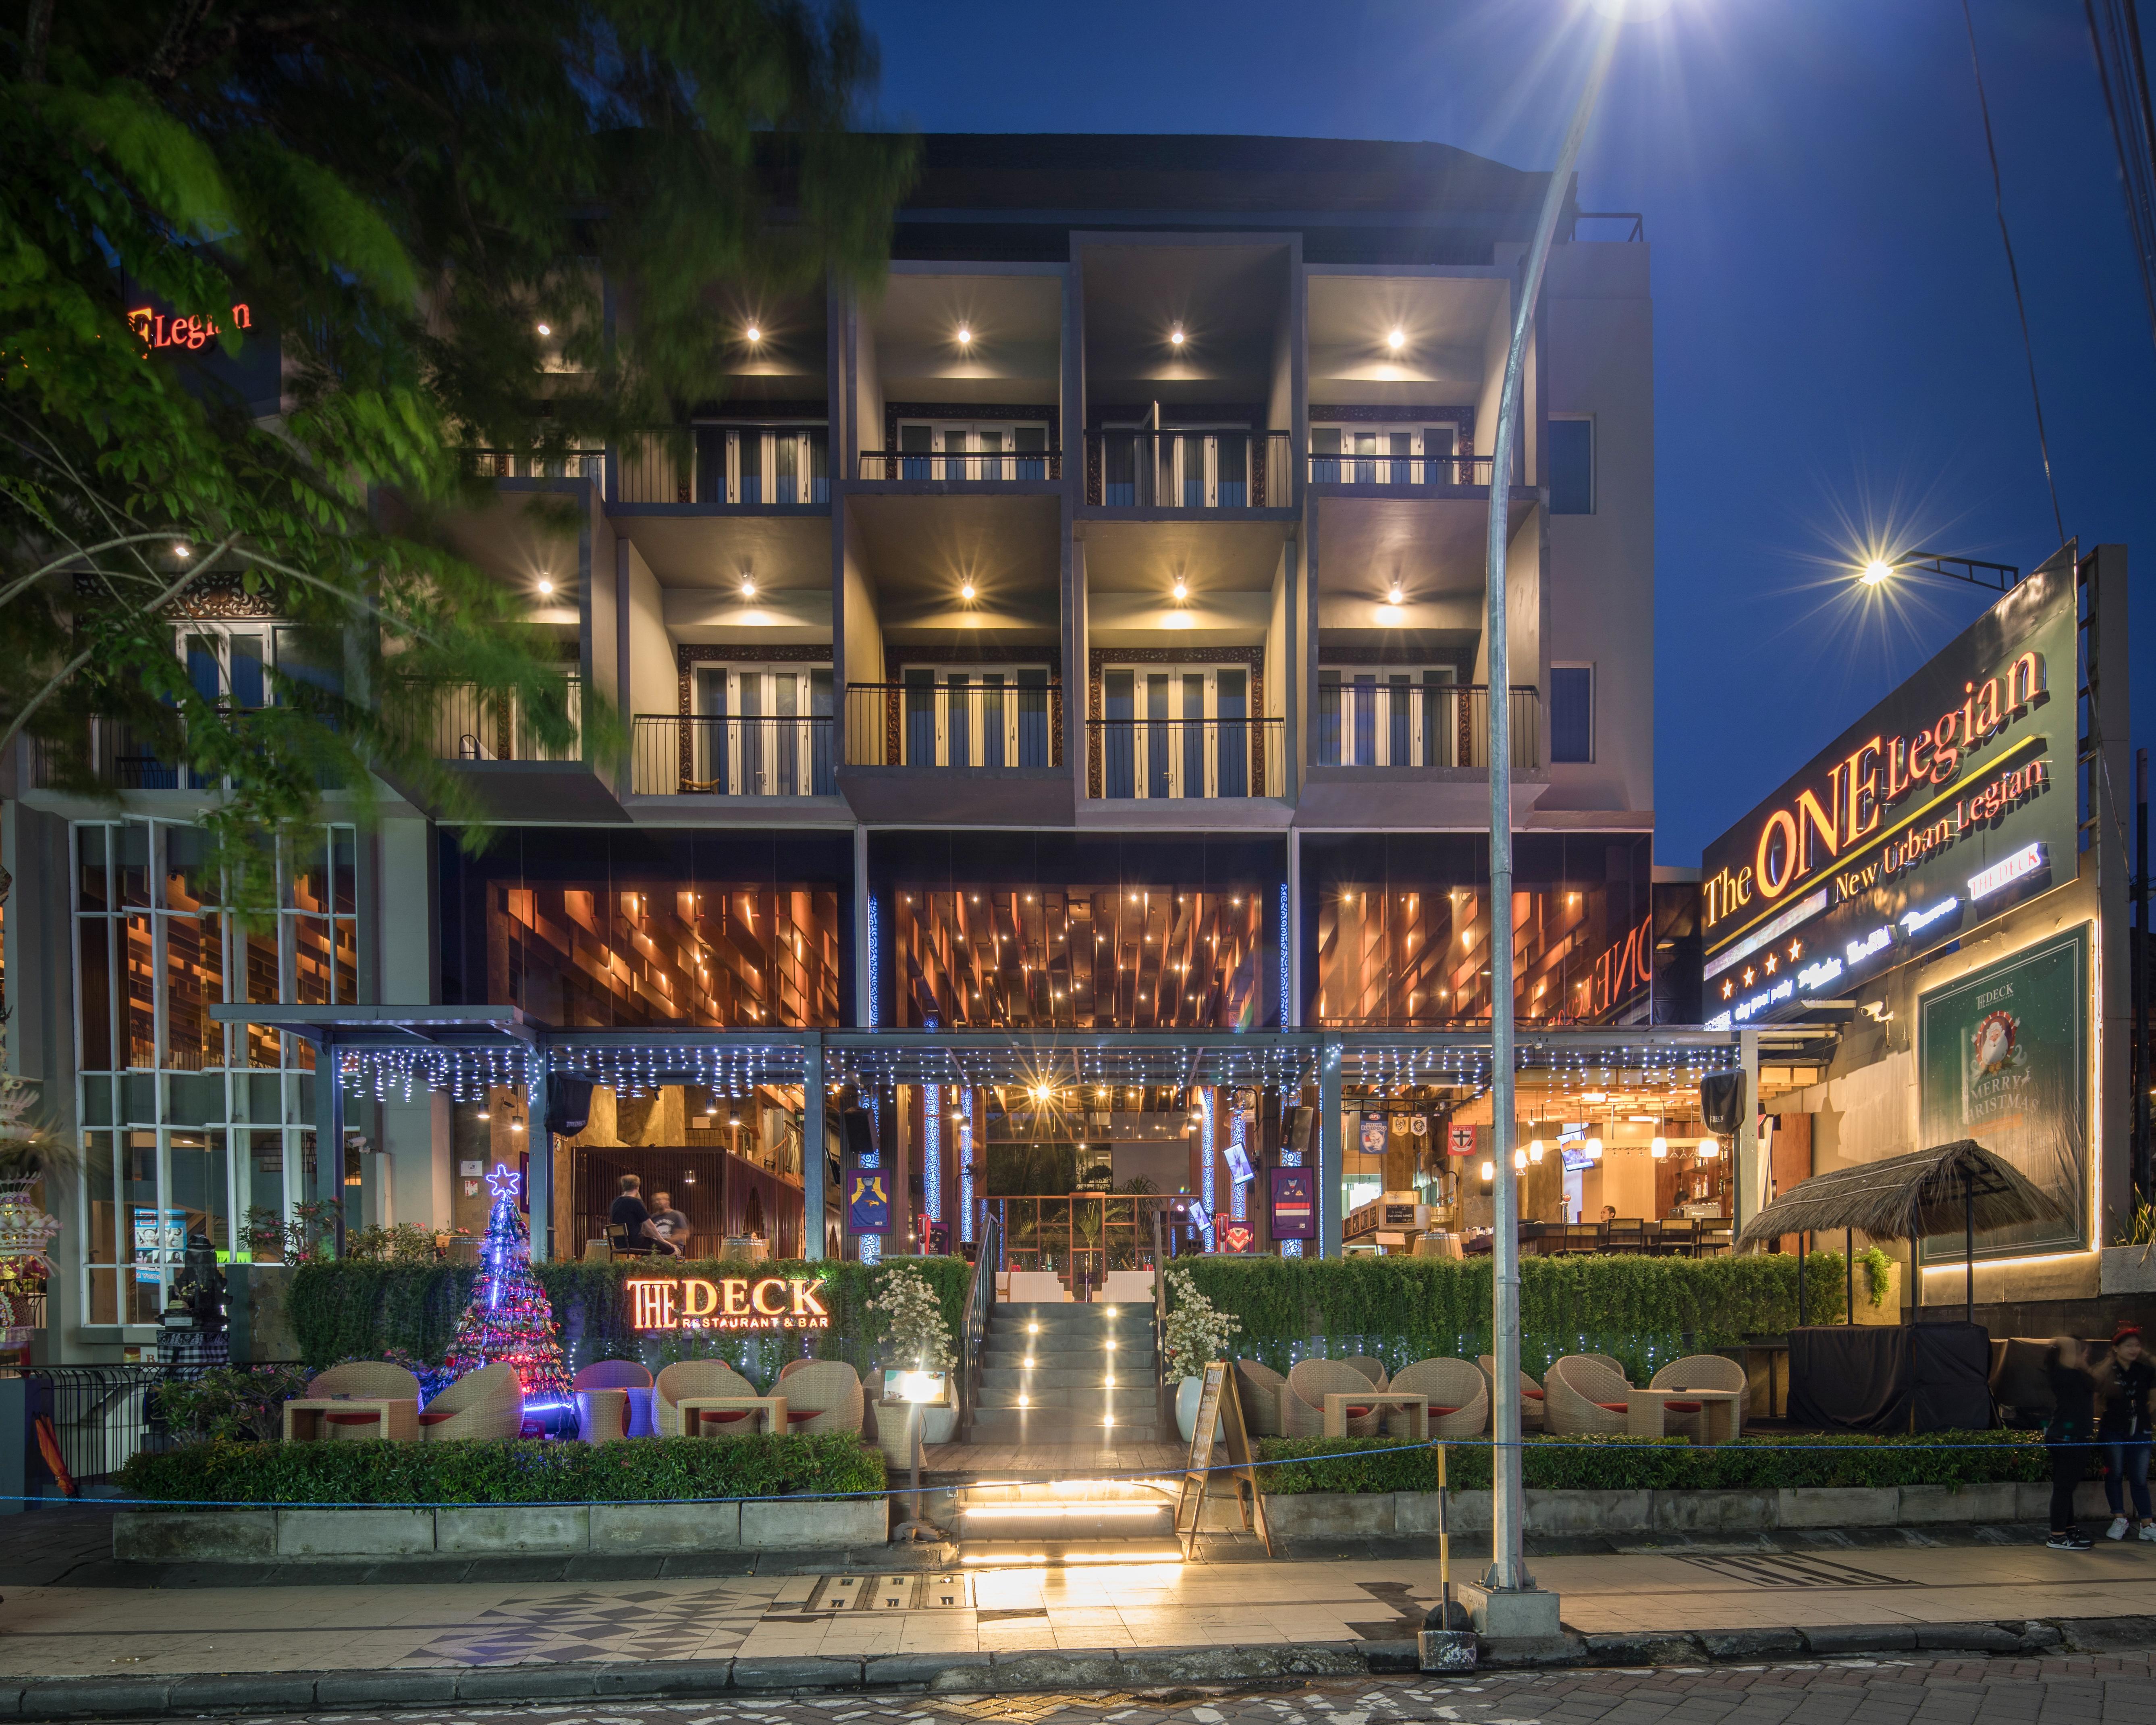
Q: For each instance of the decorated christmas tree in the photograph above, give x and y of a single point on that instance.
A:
(509, 1321)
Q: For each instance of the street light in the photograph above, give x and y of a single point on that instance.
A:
(1995, 577)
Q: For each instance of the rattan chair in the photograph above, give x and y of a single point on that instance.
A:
(1699, 1371)
(1459, 1399)
(623, 1374)
(1532, 1398)
(1582, 1397)
(485, 1403)
(1302, 1407)
(822, 1396)
(1373, 1369)
(1259, 1387)
(362, 1378)
(1608, 1362)
(692, 1378)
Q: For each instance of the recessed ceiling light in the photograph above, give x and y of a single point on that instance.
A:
(1175, 336)
(1397, 340)
(752, 335)
(748, 587)
(965, 336)
(546, 587)
(965, 589)
(1392, 597)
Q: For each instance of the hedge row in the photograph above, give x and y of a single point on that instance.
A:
(1645, 1311)
(630, 1471)
(345, 1310)
(1668, 1464)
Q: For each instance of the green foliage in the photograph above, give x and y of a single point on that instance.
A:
(630, 1471)
(232, 1402)
(1877, 1269)
(1644, 1311)
(1669, 1464)
(347, 1309)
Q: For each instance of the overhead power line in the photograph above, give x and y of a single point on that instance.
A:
(2115, 35)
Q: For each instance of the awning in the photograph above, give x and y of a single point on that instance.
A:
(1951, 1189)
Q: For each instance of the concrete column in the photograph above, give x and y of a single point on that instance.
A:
(814, 1149)
(539, 1154)
(328, 1186)
(1751, 1178)
(1332, 1153)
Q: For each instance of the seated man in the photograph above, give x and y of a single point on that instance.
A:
(629, 1225)
(672, 1226)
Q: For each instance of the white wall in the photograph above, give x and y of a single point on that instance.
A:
(655, 680)
(864, 631)
(1277, 669)
(868, 386)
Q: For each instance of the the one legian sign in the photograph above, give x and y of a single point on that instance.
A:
(1219, 1419)
(1950, 801)
(734, 1302)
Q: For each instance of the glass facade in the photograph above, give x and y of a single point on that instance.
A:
(190, 1124)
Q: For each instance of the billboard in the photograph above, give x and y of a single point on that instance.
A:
(2003, 1058)
(1947, 802)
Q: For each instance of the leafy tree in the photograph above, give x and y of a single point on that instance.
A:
(401, 195)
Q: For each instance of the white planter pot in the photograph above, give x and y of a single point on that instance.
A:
(938, 1425)
(1187, 1394)
(895, 1429)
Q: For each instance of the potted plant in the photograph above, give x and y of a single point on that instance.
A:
(915, 1339)
(1197, 1335)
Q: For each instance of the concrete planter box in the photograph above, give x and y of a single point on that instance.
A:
(2126, 1270)
(488, 1530)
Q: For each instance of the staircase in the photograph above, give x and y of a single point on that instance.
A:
(1063, 1375)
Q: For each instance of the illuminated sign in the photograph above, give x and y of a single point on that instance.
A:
(1915, 923)
(736, 1303)
(157, 329)
(2028, 861)
(1802, 911)
(1814, 977)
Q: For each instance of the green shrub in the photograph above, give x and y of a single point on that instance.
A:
(630, 1471)
(1668, 1464)
(237, 1402)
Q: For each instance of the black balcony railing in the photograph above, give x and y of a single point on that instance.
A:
(745, 464)
(474, 724)
(975, 719)
(975, 467)
(715, 755)
(124, 758)
(520, 465)
(1409, 473)
(1195, 469)
(1386, 720)
(1155, 758)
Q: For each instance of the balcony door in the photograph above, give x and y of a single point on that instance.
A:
(1376, 716)
(976, 715)
(762, 731)
(971, 449)
(1385, 455)
(763, 464)
(1175, 731)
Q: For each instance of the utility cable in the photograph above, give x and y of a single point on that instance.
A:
(2123, 67)
(2014, 273)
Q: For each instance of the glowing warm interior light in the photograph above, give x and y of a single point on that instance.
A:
(1876, 572)
(965, 589)
(1393, 596)
(1709, 1148)
(546, 587)
(1535, 1151)
(1397, 340)
(965, 336)
(1594, 1149)
(1660, 1147)
(545, 329)
(1489, 1170)
(1175, 336)
(748, 587)
(1181, 588)
(752, 334)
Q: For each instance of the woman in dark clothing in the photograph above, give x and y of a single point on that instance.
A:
(2069, 1435)
(2122, 1426)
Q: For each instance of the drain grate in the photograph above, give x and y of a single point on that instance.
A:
(1783, 1568)
(833, 1594)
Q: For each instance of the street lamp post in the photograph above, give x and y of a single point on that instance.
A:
(1507, 1570)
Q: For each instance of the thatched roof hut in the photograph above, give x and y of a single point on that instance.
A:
(1952, 1187)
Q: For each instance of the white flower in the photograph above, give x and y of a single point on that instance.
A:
(1197, 1330)
(914, 1330)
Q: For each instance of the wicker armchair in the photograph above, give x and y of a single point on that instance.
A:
(362, 1378)
(1532, 1398)
(485, 1403)
(1609, 1363)
(623, 1375)
(1259, 1387)
(1699, 1371)
(692, 1378)
(1373, 1369)
(1583, 1396)
(791, 1367)
(1302, 1407)
(822, 1396)
(1459, 1399)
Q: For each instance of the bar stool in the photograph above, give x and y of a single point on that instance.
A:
(602, 1414)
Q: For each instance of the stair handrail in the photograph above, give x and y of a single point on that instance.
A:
(1163, 1398)
(980, 1295)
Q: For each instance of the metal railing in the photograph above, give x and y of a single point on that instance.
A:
(968, 720)
(1402, 472)
(980, 1296)
(726, 463)
(1194, 470)
(976, 467)
(1635, 233)
(1154, 758)
(122, 757)
(703, 754)
(520, 465)
(101, 1415)
(1385, 721)
(474, 724)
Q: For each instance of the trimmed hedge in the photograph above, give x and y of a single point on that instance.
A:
(1645, 1311)
(344, 1309)
(1667, 1464)
(476, 1470)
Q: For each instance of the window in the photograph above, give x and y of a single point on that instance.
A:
(1389, 717)
(1200, 468)
(1572, 466)
(1387, 455)
(1175, 732)
(1571, 713)
(761, 730)
(762, 463)
(967, 450)
(977, 717)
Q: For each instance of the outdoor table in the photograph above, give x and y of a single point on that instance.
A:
(307, 1421)
(1645, 1411)
(1337, 1403)
(603, 1414)
(694, 1406)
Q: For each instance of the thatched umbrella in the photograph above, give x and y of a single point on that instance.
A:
(1905, 1196)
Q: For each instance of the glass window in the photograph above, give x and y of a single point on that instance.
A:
(1572, 713)
(1572, 466)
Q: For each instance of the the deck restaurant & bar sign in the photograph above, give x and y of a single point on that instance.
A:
(1950, 801)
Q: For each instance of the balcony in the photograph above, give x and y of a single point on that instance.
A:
(517, 464)
(1197, 471)
(722, 465)
(1150, 760)
(959, 748)
(971, 467)
(123, 759)
(474, 724)
(1385, 720)
(710, 755)
(1399, 473)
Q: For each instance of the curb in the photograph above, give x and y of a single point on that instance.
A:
(978, 1673)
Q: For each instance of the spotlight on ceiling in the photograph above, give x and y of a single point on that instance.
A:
(965, 589)
(544, 329)
(1181, 588)
(748, 585)
(1393, 594)
(1397, 340)
(752, 335)
(1175, 336)
(965, 336)
(546, 587)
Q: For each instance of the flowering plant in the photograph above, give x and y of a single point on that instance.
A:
(1197, 1331)
(915, 1338)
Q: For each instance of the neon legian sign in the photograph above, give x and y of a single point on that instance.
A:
(157, 330)
(734, 1302)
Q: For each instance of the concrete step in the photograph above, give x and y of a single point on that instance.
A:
(1053, 1426)
(1088, 1320)
(1124, 1402)
(998, 1377)
(1096, 1360)
(1031, 1523)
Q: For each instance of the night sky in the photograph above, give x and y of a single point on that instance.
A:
(1838, 362)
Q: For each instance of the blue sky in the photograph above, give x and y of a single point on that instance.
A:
(1836, 353)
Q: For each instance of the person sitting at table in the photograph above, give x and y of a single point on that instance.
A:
(630, 1225)
(1609, 1213)
(672, 1226)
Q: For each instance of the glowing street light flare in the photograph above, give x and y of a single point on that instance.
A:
(1876, 572)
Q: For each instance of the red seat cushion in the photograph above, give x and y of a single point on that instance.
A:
(1532, 1395)
(724, 1416)
(793, 1415)
(1445, 1410)
(1683, 1407)
(1616, 1407)
(354, 1419)
(1356, 1413)
(437, 1419)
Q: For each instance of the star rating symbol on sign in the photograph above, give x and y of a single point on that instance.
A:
(1796, 951)
(1727, 989)
(1751, 976)
(1771, 962)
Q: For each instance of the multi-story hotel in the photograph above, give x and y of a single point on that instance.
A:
(1056, 690)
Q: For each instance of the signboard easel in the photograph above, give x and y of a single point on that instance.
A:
(1218, 1399)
